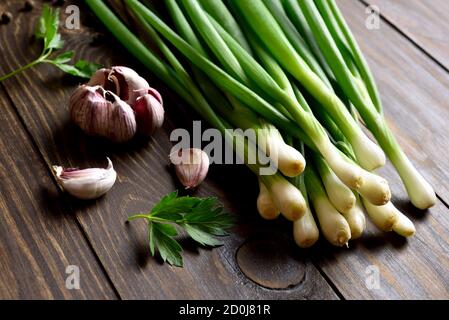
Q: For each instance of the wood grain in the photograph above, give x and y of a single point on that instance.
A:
(415, 92)
(41, 96)
(425, 22)
(39, 238)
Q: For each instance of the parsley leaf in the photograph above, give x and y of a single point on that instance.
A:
(81, 69)
(169, 249)
(201, 235)
(47, 31)
(87, 69)
(64, 58)
(203, 219)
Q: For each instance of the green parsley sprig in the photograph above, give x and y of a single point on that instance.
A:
(203, 219)
(47, 30)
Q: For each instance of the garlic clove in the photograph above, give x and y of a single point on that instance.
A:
(191, 166)
(102, 113)
(100, 78)
(156, 95)
(149, 112)
(124, 82)
(86, 184)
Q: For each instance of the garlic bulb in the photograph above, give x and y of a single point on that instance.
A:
(86, 184)
(102, 113)
(191, 166)
(116, 104)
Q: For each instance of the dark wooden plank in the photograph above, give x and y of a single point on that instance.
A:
(41, 96)
(39, 238)
(415, 93)
(425, 22)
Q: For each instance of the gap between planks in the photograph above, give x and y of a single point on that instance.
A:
(328, 280)
(398, 29)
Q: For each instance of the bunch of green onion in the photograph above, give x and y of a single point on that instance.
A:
(292, 71)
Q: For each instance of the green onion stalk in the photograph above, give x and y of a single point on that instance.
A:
(279, 84)
(356, 219)
(404, 226)
(386, 217)
(286, 196)
(218, 10)
(305, 230)
(333, 225)
(339, 194)
(375, 187)
(289, 161)
(245, 95)
(265, 204)
(261, 21)
(345, 201)
(349, 173)
(271, 66)
(296, 39)
(345, 58)
(296, 17)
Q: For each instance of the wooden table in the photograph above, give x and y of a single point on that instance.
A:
(43, 231)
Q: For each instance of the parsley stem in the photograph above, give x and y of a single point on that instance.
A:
(26, 67)
(149, 217)
(9, 75)
(139, 216)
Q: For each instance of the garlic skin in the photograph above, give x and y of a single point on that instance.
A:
(123, 81)
(149, 112)
(102, 113)
(191, 166)
(86, 184)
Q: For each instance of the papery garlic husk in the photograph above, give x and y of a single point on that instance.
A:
(86, 184)
(102, 113)
(149, 112)
(123, 81)
(191, 166)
